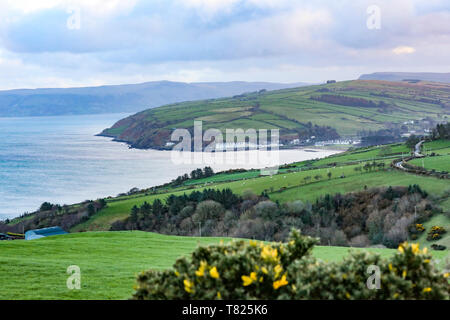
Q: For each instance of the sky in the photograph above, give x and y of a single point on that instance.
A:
(65, 43)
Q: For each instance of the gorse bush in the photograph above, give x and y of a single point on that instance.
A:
(435, 233)
(256, 270)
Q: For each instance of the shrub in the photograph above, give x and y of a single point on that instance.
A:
(435, 233)
(435, 246)
(254, 270)
(420, 227)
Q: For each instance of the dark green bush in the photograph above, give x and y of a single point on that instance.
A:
(255, 270)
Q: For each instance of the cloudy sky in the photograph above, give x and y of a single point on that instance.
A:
(61, 43)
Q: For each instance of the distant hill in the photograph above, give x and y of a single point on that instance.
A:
(327, 112)
(401, 76)
(119, 98)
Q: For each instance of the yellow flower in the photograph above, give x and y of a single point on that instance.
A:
(425, 250)
(415, 248)
(400, 248)
(347, 295)
(219, 296)
(396, 295)
(253, 276)
(177, 273)
(261, 279)
(201, 270)
(390, 267)
(426, 260)
(267, 253)
(280, 283)
(344, 276)
(253, 243)
(188, 285)
(446, 275)
(264, 270)
(427, 289)
(246, 281)
(278, 269)
(292, 242)
(404, 274)
(214, 273)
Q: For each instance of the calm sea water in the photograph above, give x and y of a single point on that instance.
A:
(60, 160)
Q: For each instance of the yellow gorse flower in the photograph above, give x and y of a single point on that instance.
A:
(279, 283)
(188, 285)
(415, 248)
(246, 281)
(219, 296)
(264, 270)
(201, 270)
(428, 289)
(177, 273)
(214, 273)
(404, 274)
(446, 275)
(268, 253)
(278, 269)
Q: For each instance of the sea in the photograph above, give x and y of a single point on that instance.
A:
(61, 160)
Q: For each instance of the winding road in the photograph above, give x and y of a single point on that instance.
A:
(417, 154)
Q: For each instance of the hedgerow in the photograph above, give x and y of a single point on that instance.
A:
(258, 270)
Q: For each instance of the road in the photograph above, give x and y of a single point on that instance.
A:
(417, 154)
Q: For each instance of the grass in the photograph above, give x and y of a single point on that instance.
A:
(312, 191)
(438, 163)
(109, 262)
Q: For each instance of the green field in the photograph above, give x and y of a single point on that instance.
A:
(109, 262)
(438, 163)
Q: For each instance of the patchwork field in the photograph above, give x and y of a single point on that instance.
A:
(347, 107)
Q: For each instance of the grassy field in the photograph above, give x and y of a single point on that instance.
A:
(438, 163)
(109, 262)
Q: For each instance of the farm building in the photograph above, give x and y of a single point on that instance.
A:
(45, 232)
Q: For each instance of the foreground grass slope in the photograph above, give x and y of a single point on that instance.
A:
(109, 262)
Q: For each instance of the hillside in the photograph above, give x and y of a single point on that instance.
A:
(345, 109)
(400, 76)
(125, 98)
